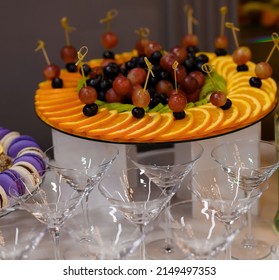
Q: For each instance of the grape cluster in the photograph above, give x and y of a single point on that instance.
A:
(125, 83)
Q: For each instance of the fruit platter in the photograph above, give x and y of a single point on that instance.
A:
(151, 95)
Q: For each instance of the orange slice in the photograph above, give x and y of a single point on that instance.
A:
(106, 119)
(164, 125)
(178, 129)
(201, 121)
(133, 126)
(67, 118)
(230, 116)
(86, 120)
(64, 112)
(244, 109)
(222, 63)
(39, 100)
(56, 91)
(122, 120)
(253, 101)
(59, 106)
(262, 96)
(152, 125)
(216, 117)
(239, 78)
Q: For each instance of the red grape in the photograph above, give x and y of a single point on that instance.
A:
(199, 76)
(241, 55)
(190, 40)
(51, 71)
(263, 70)
(109, 40)
(221, 42)
(180, 52)
(122, 85)
(218, 98)
(137, 75)
(167, 61)
(107, 61)
(87, 95)
(111, 96)
(140, 97)
(140, 45)
(97, 70)
(195, 96)
(164, 87)
(177, 101)
(151, 47)
(68, 54)
(189, 84)
(180, 73)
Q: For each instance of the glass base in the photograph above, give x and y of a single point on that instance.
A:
(161, 250)
(257, 250)
(79, 252)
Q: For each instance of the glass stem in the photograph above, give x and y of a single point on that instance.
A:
(229, 247)
(249, 238)
(168, 247)
(85, 207)
(55, 233)
(142, 245)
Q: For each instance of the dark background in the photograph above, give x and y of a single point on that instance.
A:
(23, 23)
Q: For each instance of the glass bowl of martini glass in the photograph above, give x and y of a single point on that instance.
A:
(251, 163)
(139, 195)
(161, 246)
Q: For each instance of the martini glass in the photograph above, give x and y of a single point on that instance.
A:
(251, 162)
(196, 230)
(112, 236)
(19, 237)
(78, 154)
(223, 196)
(52, 199)
(164, 247)
(138, 195)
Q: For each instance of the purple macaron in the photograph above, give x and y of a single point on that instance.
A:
(33, 159)
(19, 143)
(3, 132)
(10, 181)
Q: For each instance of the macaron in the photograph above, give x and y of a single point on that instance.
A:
(30, 178)
(10, 180)
(7, 139)
(19, 143)
(32, 150)
(31, 159)
(4, 202)
(3, 132)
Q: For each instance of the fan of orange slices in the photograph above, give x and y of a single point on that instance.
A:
(61, 109)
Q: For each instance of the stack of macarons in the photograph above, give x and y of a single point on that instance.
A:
(26, 158)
